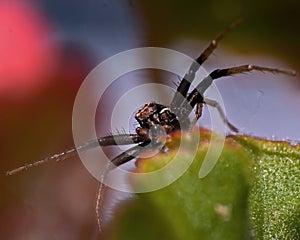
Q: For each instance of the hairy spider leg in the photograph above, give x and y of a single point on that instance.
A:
(117, 161)
(196, 98)
(122, 158)
(121, 139)
(216, 105)
(190, 75)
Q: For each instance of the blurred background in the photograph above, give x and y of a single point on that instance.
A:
(48, 48)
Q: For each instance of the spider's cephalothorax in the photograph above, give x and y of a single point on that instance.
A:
(155, 119)
(156, 114)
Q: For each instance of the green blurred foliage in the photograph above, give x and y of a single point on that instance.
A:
(252, 193)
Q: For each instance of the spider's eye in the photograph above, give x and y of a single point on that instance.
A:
(155, 116)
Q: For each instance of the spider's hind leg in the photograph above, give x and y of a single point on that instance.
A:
(216, 105)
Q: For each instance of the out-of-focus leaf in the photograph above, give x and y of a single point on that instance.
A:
(252, 192)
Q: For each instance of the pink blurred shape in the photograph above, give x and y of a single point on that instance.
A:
(27, 55)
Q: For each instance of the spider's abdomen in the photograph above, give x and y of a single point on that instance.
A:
(153, 113)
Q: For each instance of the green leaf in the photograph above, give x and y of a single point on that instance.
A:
(253, 190)
(275, 194)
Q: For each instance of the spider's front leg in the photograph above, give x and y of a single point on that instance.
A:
(120, 139)
(150, 141)
(188, 78)
(122, 158)
(195, 98)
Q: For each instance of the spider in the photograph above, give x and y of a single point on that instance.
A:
(155, 119)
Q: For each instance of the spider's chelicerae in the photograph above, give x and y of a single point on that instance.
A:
(155, 119)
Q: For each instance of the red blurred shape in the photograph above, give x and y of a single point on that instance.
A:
(26, 52)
